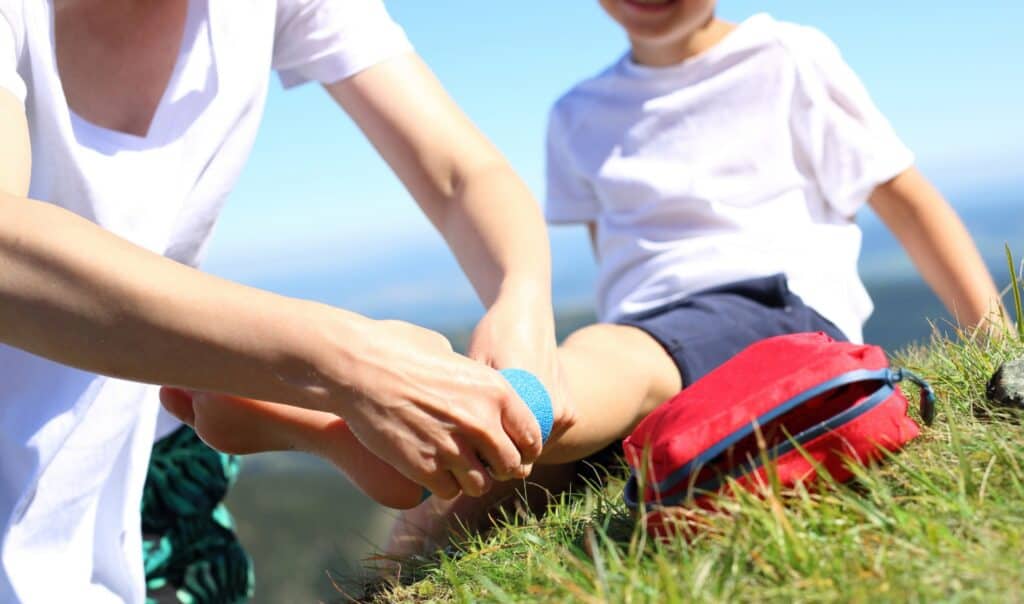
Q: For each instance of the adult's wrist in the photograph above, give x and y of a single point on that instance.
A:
(323, 361)
(526, 291)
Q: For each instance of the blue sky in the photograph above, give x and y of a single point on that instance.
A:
(316, 211)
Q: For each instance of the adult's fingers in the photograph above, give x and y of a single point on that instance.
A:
(473, 482)
(470, 473)
(456, 467)
(496, 443)
(522, 427)
(441, 484)
(178, 403)
(501, 456)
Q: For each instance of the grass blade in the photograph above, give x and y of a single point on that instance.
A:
(1015, 284)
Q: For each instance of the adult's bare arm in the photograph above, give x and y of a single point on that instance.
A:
(79, 295)
(483, 210)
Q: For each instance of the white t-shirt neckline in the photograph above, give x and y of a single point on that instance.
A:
(195, 39)
(721, 48)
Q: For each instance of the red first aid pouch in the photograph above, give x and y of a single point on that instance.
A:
(801, 401)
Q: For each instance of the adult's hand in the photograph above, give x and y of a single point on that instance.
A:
(436, 416)
(518, 332)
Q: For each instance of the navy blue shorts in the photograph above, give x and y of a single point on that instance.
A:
(705, 329)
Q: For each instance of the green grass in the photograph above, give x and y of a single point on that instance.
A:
(941, 521)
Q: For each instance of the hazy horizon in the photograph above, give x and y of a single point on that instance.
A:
(419, 281)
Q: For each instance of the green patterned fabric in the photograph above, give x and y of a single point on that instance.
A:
(190, 550)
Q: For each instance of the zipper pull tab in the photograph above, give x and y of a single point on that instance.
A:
(927, 394)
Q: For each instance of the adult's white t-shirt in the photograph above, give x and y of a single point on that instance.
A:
(747, 160)
(74, 446)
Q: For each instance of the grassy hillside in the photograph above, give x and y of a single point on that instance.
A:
(944, 520)
(307, 529)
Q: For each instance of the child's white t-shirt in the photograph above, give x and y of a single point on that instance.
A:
(747, 160)
(74, 446)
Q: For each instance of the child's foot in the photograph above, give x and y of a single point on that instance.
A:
(241, 425)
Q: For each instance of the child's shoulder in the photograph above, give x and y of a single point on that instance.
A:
(596, 89)
(802, 40)
(809, 53)
(762, 34)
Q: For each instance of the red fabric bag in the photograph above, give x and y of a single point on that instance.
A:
(837, 401)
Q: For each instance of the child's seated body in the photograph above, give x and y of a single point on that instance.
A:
(719, 168)
(748, 160)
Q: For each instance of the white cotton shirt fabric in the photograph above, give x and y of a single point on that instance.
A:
(74, 446)
(747, 160)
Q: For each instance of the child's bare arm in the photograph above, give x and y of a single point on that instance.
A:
(939, 245)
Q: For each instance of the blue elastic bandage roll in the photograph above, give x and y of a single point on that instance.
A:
(536, 397)
(533, 393)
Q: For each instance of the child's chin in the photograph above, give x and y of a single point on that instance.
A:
(653, 7)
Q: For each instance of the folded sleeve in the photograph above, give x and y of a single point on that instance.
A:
(329, 40)
(849, 144)
(11, 40)
(569, 197)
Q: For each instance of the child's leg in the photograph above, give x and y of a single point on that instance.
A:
(239, 425)
(615, 375)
